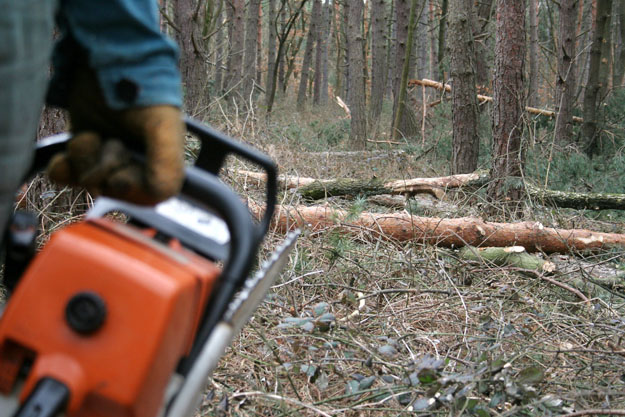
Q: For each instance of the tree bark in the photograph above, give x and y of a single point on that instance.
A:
(308, 54)
(619, 52)
(221, 49)
(442, 28)
(356, 92)
(187, 18)
(272, 26)
(590, 127)
(236, 10)
(565, 81)
(532, 93)
(251, 41)
(320, 97)
(404, 120)
(466, 142)
(580, 201)
(508, 101)
(455, 233)
(378, 59)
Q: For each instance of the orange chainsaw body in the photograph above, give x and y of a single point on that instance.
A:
(149, 289)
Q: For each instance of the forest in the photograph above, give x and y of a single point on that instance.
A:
(457, 168)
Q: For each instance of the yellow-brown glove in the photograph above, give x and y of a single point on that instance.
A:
(97, 159)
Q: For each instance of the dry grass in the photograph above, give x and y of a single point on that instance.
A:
(508, 344)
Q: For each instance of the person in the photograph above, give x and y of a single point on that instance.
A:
(115, 73)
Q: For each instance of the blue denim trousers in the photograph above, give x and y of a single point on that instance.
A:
(25, 48)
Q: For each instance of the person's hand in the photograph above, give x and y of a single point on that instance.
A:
(98, 159)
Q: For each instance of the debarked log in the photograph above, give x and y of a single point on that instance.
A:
(514, 256)
(455, 233)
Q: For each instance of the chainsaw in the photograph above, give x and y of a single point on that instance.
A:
(130, 318)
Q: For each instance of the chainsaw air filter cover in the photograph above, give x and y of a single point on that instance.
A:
(104, 309)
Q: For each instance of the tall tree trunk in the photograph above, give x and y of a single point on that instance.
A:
(442, 29)
(584, 42)
(433, 43)
(378, 59)
(421, 39)
(327, 16)
(404, 119)
(606, 58)
(619, 50)
(340, 50)
(259, 46)
(321, 56)
(282, 60)
(221, 49)
(590, 129)
(192, 68)
(565, 81)
(466, 141)
(308, 54)
(355, 57)
(237, 43)
(532, 93)
(271, 49)
(508, 101)
(251, 40)
(482, 43)
(391, 47)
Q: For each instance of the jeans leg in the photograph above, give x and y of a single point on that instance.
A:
(25, 49)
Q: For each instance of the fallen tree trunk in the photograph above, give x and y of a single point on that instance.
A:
(484, 99)
(456, 233)
(580, 201)
(434, 186)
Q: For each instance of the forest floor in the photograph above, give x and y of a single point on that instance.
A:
(362, 326)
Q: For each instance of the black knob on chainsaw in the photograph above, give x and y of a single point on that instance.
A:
(85, 312)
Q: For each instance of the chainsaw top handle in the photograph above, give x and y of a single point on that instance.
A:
(203, 188)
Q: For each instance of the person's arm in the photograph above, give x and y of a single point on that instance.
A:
(135, 64)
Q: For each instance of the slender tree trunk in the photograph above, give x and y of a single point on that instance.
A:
(308, 54)
(605, 66)
(508, 101)
(271, 50)
(421, 39)
(321, 56)
(251, 41)
(219, 60)
(565, 81)
(404, 121)
(590, 126)
(466, 141)
(259, 46)
(482, 43)
(619, 50)
(282, 60)
(584, 45)
(532, 93)
(442, 29)
(192, 68)
(340, 50)
(378, 59)
(433, 43)
(356, 93)
(237, 43)
(391, 47)
(328, 15)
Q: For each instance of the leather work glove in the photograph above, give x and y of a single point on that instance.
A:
(98, 156)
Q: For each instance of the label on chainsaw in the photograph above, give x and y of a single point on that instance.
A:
(194, 218)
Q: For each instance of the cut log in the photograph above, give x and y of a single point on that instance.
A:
(515, 256)
(343, 186)
(455, 233)
(580, 201)
(484, 99)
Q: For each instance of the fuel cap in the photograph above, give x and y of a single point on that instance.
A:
(85, 312)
